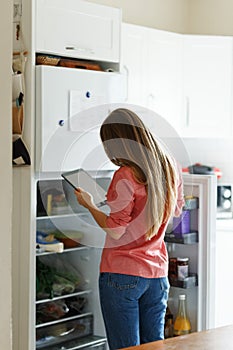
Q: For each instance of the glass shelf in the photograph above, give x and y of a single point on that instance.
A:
(68, 250)
(64, 296)
(66, 319)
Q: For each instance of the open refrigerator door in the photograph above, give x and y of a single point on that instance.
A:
(193, 243)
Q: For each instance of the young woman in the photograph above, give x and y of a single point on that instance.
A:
(144, 193)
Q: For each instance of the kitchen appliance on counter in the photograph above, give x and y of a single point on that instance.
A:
(201, 169)
(224, 201)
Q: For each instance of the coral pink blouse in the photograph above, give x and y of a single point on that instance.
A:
(131, 254)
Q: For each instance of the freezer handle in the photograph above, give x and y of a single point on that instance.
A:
(80, 49)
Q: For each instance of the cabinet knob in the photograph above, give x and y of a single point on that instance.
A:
(88, 94)
(61, 122)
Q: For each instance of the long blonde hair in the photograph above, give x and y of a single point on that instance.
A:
(127, 142)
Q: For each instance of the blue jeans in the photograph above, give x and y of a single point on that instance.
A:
(133, 308)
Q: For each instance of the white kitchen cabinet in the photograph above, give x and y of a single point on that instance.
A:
(207, 86)
(152, 61)
(187, 79)
(79, 29)
(133, 61)
(164, 75)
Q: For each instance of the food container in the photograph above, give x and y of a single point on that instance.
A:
(182, 268)
(70, 239)
(47, 60)
(182, 223)
(64, 331)
(191, 203)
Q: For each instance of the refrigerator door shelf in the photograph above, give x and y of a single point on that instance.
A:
(189, 282)
(185, 238)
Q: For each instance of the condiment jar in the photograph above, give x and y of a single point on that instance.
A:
(182, 268)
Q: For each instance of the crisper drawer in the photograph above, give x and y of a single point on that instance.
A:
(61, 332)
(90, 342)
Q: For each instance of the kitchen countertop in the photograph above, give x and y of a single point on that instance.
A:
(215, 339)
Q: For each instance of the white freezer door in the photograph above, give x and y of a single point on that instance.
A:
(70, 107)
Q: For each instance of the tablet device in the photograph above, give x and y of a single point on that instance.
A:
(80, 178)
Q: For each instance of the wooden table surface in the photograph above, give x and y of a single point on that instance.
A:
(215, 339)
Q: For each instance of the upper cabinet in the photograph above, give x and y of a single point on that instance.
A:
(152, 61)
(78, 29)
(164, 75)
(207, 86)
(133, 61)
(187, 79)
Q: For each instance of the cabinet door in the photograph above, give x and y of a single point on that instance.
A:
(133, 56)
(164, 75)
(152, 60)
(71, 104)
(207, 86)
(77, 28)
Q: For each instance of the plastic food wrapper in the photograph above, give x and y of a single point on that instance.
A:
(52, 310)
(56, 276)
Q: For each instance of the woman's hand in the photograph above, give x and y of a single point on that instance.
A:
(84, 198)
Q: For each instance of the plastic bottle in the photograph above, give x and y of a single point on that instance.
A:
(182, 323)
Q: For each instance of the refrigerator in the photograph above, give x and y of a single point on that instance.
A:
(70, 106)
(85, 329)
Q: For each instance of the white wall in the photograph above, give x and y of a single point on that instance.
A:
(168, 15)
(183, 16)
(210, 17)
(5, 174)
